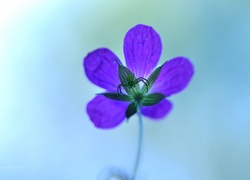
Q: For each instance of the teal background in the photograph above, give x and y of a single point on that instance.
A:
(45, 132)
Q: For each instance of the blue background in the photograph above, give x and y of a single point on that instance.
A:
(45, 132)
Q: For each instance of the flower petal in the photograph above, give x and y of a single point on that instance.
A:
(142, 49)
(101, 67)
(174, 76)
(157, 111)
(106, 113)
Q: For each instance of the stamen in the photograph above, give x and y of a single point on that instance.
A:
(119, 90)
(144, 81)
(147, 82)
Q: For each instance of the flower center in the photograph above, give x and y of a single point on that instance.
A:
(135, 90)
(131, 86)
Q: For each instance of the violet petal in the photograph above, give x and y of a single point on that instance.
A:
(142, 49)
(174, 76)
(106, 113)
(157, 111)
(102, 69)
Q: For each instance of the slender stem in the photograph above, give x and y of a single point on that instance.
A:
(138, 156)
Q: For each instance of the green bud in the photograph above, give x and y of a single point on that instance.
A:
(124, 73)
(128, 81)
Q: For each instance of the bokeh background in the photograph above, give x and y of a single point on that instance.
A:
(45, 132)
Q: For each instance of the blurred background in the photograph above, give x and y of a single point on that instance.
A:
(45, 132)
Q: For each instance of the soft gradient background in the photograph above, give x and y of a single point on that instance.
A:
(45, 132)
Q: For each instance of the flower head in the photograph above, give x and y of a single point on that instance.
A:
(138, 84)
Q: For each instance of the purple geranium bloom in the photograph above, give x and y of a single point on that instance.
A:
(138, 83)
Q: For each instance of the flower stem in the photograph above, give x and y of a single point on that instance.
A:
(138, 156)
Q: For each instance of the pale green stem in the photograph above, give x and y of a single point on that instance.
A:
(138, 155)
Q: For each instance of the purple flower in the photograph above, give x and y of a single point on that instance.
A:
(140, 82)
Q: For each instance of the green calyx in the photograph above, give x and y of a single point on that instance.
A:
(129, 90)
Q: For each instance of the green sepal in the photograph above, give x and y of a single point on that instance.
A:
(123, 73)
(116, 96)
(131, 110)
(152, 78)
(152, 99)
